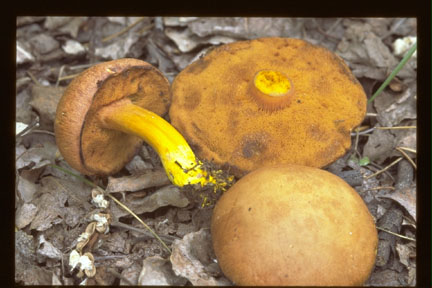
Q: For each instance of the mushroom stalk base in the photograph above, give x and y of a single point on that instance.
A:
(178, 159)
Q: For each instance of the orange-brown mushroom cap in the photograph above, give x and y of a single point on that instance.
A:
(292, 225)
(85, 145)
(224, 114)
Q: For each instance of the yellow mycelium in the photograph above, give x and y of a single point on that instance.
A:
(177, 157)
(272, 83)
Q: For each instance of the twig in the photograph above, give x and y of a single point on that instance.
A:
(408, 149)
(384, 169)
(67, 77)
(108, 38)
(371, 114)
(395, 234)
(356, 140)
(59, 75)
(374, 165)
(42, 132)
(407, 157)
(33, 78)
(362, 132)
(382, 188)
(396, 127)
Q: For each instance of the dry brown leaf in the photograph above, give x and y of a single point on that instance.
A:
(193, 256)
(406, 197)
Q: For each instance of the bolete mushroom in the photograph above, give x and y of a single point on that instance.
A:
(293, 225)
(267, 101)
(109, 108)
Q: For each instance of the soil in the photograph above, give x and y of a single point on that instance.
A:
(54, 208)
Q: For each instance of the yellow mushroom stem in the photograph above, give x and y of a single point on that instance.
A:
(178, 159)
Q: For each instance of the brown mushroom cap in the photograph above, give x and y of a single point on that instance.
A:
(293, 225)
(223, 116)
(84, 144)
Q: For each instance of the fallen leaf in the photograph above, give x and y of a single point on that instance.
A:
(47, 250)
(148, 178)
(25, 215)
(166, 196)
(406, 197)
(394, 108)
(26, 189)
(405, 252)
(192, 257)
(44, 101)
(379, 146)
(157, 271)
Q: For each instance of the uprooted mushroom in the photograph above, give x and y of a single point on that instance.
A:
(108, 110)
(267, 101)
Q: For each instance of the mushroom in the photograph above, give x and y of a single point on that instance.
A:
(109, 108)
(293, 225)
(267, 101)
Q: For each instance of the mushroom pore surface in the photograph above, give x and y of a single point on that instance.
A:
(267, 101)
(83, 142)
(293, 225)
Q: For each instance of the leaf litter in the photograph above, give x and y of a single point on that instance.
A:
(54, 208)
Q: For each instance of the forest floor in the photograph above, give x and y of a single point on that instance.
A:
(53, 208)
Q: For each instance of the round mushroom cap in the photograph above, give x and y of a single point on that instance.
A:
(224, 106)
(293, 225)
(84, 144)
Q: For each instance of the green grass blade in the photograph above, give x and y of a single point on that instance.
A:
(395, 71)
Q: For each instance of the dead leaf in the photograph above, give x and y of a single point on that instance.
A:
(405, 252)
(26, 189)
(37, 157)
(406, 197)
(148, 178)
(386, 278)
(166, 196)
(47, 250)
(191, 258)
(157, 271)
(51, 203)
(25, 215)
(379, 145)
(44, 101)
(138, 166)
(393, 109)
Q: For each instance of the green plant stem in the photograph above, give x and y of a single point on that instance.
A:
(395, 71)
(115, 200)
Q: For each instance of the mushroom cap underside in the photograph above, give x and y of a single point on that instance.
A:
(216, 110)
(293, 225)
(84, 144)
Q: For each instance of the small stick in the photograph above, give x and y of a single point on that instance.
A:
(397, 127)
(67, 77)
(42, 132)
(106, 39)
(33, 78)
(407, 157)
(382, 187)
(398, 235)
(408, 149)
(385, 168)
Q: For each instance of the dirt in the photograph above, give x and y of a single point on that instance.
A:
(54, 208)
